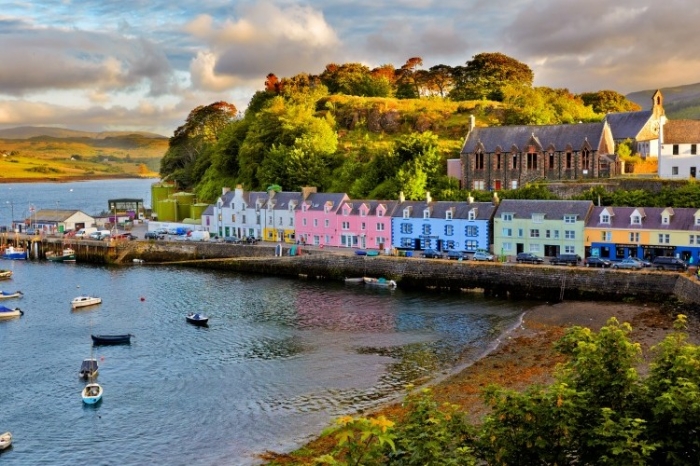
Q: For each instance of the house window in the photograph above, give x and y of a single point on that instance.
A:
(634, 237)
(472, 214)
(534, 248)
(233, 218)
(471, 245)
(326, 223)
(406, 242)
(426, 229)
(479, 162)
(426, 213)
(363, 213)
(498, 161)
(346, 225)
(509, 217)
(450, 244)
(472, 230)
(569, 159)
(548, 234)
(507, 247)
(315, 222)
(531, 161)
(279, 221)
(515, 161)
(537, 218)
(380, 212)
(507, 232)
(693, 149)
(270, 220)
(303, 221)
(381, 240)
(242, 218)
(606, 236)
(380, 226)
(448, 215)
(585, 160)
(605, 218)
(363, 226)
(664, 238)
(520, 233)
(675, 149)
(406, 228)
(569, 234)
(697, 220)
(534, 233)
(664, 220)
(636, 220)
(327, 239)
(569, 219)
(480, 184)
(569, 249)
(514, 184)
(691, 240)
(556, 234)
(291, 221)
(317, 240)
(406, 213)
(551, 161)
(674, 170)
(449, 230)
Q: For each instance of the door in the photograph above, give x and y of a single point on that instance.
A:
(692, 172)
(519, 247)
(497, 185)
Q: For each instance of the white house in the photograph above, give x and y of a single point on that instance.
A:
(641, 127)
(52, 221)
(679, 158)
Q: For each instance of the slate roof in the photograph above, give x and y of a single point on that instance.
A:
(373, 204)
(682, 132)
(226, 199)
(683, 219)
(49, 215)
(439, 209)
(557, 136)
(209, 210)
(552, 210)
(281, 200)
(627, 125)
(317, 201)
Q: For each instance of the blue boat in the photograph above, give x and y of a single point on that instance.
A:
(14, 253)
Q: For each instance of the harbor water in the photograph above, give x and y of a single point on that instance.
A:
(280, 359)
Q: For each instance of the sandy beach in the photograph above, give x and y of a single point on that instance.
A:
(526, 355)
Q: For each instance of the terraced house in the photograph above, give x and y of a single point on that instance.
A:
(646, 232)
(316, 219)
(544, 228)
(366, 224)
(442, 225)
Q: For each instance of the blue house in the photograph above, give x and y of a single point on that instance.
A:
(442, 225)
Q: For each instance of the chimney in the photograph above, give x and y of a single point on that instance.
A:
(496, 200)
(306, 191)
(470, 198)
(402, 198)
(472, 122)
(428, 199)
(225, 190)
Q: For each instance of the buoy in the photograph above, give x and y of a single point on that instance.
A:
(142, 298)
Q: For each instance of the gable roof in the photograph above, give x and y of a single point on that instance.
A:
(559, 137)
(317, 201)
(627, 125)
(683, 218)
(552, 210)
(55, 215)
(209, 211)
(355, 205)
(438, 209)
(282, 199)
(682, 132)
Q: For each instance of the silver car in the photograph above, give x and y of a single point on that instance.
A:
(627, 264)
(482, 256)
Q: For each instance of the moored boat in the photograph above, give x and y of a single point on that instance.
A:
(197, 319)
(67, 255)
(84, 301)
(356, 280)
(382, 282)
(5, 440)
(14, 253)
(123, 339)
(7, 313)
(11, 294)
(5, 274)
(92, 393)
(88, 369)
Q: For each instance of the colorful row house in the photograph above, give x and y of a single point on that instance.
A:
(442, 225)
(646, 232)
(541, 227)
(366, 224)
(317, 219)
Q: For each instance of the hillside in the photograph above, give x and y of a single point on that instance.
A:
(27, 132)
(680, 102)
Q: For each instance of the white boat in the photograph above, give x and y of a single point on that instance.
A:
(5, 440)
(383, 282)
(7, 313)
(92, 393)
(84, 301)
(88, 369)
(67, 255)
(14, 253)
(11, 294)
(355, 280)
(5, 274)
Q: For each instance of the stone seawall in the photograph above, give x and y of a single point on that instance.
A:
(542, 282)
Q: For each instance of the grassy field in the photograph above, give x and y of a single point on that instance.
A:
(44, 158)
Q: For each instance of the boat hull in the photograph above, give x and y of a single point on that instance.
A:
(111, 339)
(6, 295)
(85, 301)
(68, 255)
(7, 313)
(197, 319)
(5, 441)
(92, 393)
(4, 274)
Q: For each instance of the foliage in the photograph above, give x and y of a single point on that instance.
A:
(360, 441)
(544, 106)
(486, 75)
(607, 101)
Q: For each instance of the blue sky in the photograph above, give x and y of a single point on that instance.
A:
(143, 65)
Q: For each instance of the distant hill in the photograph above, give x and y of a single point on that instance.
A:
(28, 132)
(680, 102)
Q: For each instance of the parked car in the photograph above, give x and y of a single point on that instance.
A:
(432, 254)
(597, 262)
(153, 235)
(482, 256)
(565, 259)
(669, 263)
(99, 235)
(627, 264)
(528, 258)
(457, 255)
(125, 236)
(644, 262)
(231, 240)
(251, 240)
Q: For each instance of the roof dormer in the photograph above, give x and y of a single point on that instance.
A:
(380, 210)
(364, 210)
(606, 216)
(637, 217)
(407, 212)
(696, 217)
(347, 208)
(449, 213)
(426, 212)
(666, 215)
(327, 206)
(473, 213)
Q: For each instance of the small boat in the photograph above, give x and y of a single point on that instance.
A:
(356, 280)
(7, 313)
(88, 369)
(14, 253)
(67, 255)
(5, 274)
(5, 441)
(92, 393)
(10, 294)
(84, 301)
(124, 339)
(197, 319)
(383, 282)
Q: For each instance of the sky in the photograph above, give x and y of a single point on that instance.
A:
(143, 65)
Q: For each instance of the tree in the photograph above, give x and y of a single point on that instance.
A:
(487, 74)
(608, 102)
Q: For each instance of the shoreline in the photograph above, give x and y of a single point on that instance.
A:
(72, 179)
(525, 356)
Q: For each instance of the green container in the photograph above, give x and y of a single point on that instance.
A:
(197, 210)
(184, 198)
(167, 210)
(160, 192)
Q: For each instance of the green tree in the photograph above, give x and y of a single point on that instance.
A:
(487, 74)
(608, 102)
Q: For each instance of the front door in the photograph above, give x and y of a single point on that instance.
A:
(692, 172)
(519, 247)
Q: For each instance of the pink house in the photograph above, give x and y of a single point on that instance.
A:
(315, 219)
(365, 224)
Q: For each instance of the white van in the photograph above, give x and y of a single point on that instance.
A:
(85, 232)
(198, 236)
